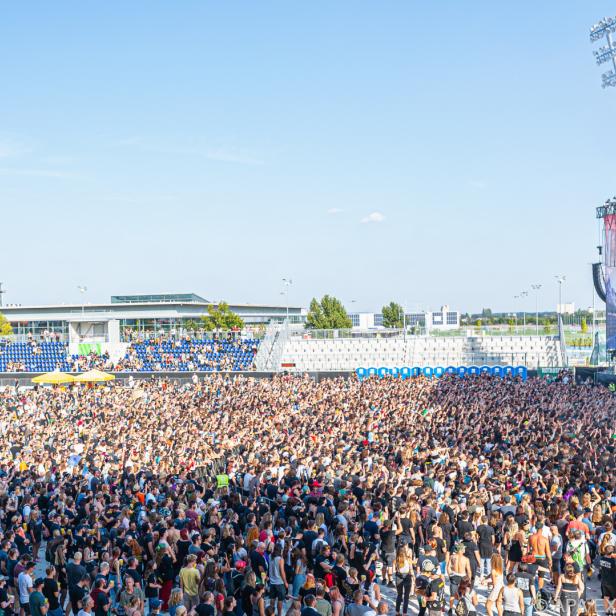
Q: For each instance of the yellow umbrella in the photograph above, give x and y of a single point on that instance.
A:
(53, 378)
(92, 376)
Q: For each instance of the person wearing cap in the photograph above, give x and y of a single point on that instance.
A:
(38, 602)
(435, 593)
(189, 582)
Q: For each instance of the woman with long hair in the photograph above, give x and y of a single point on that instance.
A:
(569, 590)
(403, 575)
(309, 586)
(257, 603)
(250, 585)
(496, 579)
(299, 566)
(175, 600)
(337, 601)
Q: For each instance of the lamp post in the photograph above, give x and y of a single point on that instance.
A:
(535, 288)
(82, 290)
(516, 315)
(523, 294)
(287, 282)
(560, 279)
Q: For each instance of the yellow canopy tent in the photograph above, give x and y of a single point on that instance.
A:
(54, 378)
(93, 376)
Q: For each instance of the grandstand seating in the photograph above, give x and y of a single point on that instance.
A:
(182, 355)
(203, 355)
(42, 357)
(306, 354)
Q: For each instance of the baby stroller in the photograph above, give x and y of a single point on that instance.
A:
(543, 600)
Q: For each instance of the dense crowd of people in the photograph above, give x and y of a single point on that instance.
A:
(223, 497)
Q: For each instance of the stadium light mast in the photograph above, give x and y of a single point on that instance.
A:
(560, 279)
(604, 29)
(523, 294)
(535, 288)
(82, 290)
(287, 282)
(2, 292)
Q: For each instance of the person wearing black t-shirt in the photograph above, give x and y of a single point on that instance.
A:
(51, 591)
(607, 565)
(323, 563)
(471, 552)
(486, 545)
(525, 581)
(464, 526)
(388, 552)
(5, 600)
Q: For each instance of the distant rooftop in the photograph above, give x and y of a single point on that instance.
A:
(186, 298)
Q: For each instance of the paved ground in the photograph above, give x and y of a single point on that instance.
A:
(389, 594)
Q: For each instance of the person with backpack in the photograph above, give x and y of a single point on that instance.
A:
(466, 599)
(435, 593)
(577, 548)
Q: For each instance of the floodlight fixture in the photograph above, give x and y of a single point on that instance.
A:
(604, 29)
(606, 26)
(609, 78)
(604, 54)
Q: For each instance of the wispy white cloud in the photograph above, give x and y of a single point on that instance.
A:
(373, 217)
(39, 173)
(126, 141)
(225, 154)
(334, 210)
(12, 150)
(233, 155)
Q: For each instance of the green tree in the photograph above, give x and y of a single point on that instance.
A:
(5, 326)
(191, 325)
(220, 317)
(393, 315)
(584, 326)
(329, 313)
(478, 323)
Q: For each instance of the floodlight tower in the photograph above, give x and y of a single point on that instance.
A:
(605, 28)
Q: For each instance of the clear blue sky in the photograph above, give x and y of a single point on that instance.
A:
(217, 147)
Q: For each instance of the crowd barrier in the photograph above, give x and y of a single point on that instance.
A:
(439, 371)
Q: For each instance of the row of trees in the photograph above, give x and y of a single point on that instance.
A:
(330, 313)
